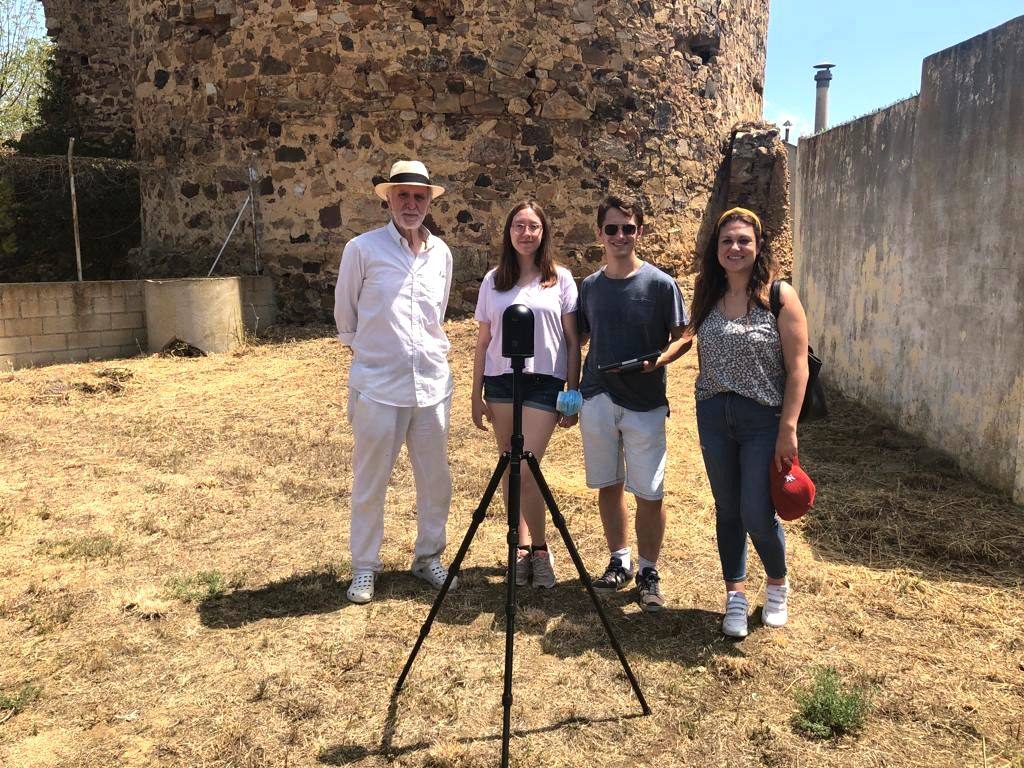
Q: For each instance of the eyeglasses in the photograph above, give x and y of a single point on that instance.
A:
(533, 229)
(613, 229)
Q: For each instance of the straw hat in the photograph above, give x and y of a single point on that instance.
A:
(410, 173)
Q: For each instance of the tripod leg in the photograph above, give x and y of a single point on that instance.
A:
(514, 488)
(559, 521)
(453, 569)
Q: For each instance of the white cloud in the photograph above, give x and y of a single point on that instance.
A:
(802, 124)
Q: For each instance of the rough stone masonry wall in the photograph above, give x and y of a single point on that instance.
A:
(554, 99)
(94, 59)
(755, 175)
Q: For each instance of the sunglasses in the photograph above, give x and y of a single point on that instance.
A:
(613, 229)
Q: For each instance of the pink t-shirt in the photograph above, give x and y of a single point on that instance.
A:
(550, 353)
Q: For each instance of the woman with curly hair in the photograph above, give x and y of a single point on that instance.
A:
(753, 372)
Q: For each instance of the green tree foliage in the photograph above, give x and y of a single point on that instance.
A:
(24, 60)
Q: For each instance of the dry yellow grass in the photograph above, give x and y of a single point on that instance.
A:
(173, 570)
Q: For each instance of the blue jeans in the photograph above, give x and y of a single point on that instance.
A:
(737, 438)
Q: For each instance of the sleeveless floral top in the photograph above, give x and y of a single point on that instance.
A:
(742, 356)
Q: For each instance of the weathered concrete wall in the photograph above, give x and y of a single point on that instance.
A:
(909, 255)
(94, 58)
(68, 322)
(42, 323)
(503, 99)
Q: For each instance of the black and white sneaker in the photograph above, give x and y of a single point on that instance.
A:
(648, 587)
(615, 577)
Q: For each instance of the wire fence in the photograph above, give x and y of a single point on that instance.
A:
(36, 227)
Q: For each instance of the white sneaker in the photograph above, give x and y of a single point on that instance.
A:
(775, 611)
(543, 569)
(361, 589)
(432, 572)
(523, 563)
(734, 624)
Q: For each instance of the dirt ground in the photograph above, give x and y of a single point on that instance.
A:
(173, 565)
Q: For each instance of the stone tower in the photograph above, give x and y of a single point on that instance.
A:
(97, 71)
(559, 100)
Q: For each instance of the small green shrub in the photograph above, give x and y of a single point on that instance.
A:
(13, 703)
(86, 548)
(829, 708)
(204, 585)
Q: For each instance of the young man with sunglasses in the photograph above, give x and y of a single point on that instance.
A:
(632, 315)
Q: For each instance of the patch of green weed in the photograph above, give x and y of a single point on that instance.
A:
(204, 585)
(14, 703)
(86, 547)
(828, 708)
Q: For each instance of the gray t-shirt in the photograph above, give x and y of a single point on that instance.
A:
(625, 319)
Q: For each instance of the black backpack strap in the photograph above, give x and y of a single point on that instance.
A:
(775, 298)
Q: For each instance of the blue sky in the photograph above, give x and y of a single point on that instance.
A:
(876, 45)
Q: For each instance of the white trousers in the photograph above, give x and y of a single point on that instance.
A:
(379, 432)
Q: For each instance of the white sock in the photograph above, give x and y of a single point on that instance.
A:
(623, 555)
(645, 563)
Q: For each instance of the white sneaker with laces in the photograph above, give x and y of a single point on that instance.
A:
(543, 569)
(361, 589)
(775, 612)
(523, 563)
(432, 572)
(734, 624)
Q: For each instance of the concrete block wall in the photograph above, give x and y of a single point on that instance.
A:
(259, 309)
(43, 323)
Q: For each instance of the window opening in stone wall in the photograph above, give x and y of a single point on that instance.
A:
(439, 13)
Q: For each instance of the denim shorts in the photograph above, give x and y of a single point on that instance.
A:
(540, 391)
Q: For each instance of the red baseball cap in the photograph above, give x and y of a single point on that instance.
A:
(792, 491)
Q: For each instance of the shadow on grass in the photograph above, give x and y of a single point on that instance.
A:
(345, 754)
(885, 500)
(314, 592)
(564, 618)
(323, 591)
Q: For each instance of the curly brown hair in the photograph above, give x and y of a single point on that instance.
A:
(711, 281)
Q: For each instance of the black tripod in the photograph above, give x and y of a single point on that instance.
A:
(517, 332)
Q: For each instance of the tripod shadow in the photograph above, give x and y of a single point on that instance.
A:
(680, 635)
(345, 754)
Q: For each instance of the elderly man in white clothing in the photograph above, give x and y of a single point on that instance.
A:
(389, 305)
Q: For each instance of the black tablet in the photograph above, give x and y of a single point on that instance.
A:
(628, 366)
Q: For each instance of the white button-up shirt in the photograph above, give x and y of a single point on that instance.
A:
(389, 306)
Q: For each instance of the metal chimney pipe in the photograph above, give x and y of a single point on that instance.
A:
(821, 81)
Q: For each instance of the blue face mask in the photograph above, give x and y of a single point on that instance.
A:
(569, 403)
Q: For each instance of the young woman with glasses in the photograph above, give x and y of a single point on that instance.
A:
(527, 274)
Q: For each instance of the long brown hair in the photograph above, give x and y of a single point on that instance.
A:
(507, 274)
(711, 281)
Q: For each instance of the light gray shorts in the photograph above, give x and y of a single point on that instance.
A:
(620, 445)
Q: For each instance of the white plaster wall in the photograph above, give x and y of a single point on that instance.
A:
(910, 255)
